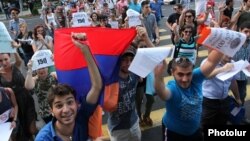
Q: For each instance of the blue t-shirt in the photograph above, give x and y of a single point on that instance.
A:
(184, 106)
(80, 133)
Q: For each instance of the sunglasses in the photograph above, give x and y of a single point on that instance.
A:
(175, 8)
(189, 16)
(182, 60)
(187, 31)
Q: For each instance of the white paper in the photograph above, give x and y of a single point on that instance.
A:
(152, 57)
(226, 41)
(80, 19)
(5, 40)
(238, 66)
(42, 59)
(133, 18)
(5, 116)
(5, 131)
(235, 111)
(247, 73)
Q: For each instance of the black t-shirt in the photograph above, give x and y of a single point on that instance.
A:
(25, 42)
(173, 18)
(228, 12)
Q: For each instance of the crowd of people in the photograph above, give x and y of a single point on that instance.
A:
(195, 98)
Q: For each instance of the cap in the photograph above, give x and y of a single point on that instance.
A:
(131, 50)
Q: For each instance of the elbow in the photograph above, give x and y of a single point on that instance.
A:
(98, 85)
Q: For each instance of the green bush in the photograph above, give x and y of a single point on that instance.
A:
(35, 11)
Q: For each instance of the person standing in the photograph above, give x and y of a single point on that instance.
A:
(70, 123)
(243, 54)
(14, 22)
(123, 123)
(216, 101)
(183, 96)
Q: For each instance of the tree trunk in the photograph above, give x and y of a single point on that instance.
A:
(21, 5)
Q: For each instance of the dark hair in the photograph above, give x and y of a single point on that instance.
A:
(98, 17)
(228, 2)
(245, 1)
(15, 9)
(35, 31)
(191, 11)
(178, 5)
(245, 25)
(59, 90)
(185, 27)
(6, 53)
(145, 3)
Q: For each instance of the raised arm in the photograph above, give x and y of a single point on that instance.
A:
(159, 84)
(95, 76)
(225, 68)
(29, 80)
(142, 33)
(213, 59)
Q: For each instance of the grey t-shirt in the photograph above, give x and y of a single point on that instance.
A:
(125, 115)
(39, 45)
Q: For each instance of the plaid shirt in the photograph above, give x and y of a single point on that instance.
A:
(243, 54)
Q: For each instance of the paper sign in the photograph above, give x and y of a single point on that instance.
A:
(5, 40)
(200, 6)
(235, 111)
(114, 24)
(5, 131)
(226, 41)
(247, 73)
(238, 66)
(42, 59)
(153, 56)
(5, 116)
(80, 19)
(133, 18)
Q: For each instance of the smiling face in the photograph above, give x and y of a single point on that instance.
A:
(183, 76)
(64, 109)
(187, 33)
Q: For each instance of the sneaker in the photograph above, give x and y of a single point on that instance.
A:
(148, 121)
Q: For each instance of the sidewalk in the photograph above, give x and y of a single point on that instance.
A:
(25, 13)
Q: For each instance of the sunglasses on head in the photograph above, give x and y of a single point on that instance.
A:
(182, 60)
(189, 16)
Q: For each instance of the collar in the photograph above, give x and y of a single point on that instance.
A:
(52, 128)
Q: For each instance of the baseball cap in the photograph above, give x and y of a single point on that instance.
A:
(130, 51)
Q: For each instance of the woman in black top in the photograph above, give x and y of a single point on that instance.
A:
(23, 43)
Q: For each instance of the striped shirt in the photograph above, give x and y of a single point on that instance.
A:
(187, 50)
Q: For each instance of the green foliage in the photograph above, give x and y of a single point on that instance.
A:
(35, 11)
